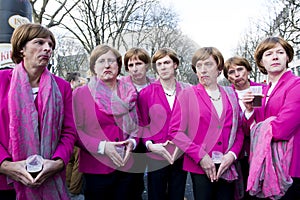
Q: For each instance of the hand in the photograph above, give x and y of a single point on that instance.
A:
(17, 171)
(226, 162)
(160, 149)
(247, 100)
(128, 148)
(50, 168)
(111, 152)
(176, 151)
(209, 167)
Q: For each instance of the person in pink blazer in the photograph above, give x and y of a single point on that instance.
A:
(166, 179)
(281, 100)
(36, 118)
(106, 118)
(137, 63)
(206, 119)
(237, 70)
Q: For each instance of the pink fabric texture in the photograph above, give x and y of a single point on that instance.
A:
(231, 173)
(122, 107)
(269, 162)
(28, 136)
(155, 113)
(196, 128)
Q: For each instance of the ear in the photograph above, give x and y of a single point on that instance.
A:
(175, 66)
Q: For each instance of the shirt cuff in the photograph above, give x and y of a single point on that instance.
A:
(233, 154)
(134, 143)
(147, 143)
(101, 147)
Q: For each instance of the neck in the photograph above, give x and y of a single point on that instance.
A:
(111, 84)
(34, 75)
(142, 81)
(243, 87)
(213, 87)
(274, 77)
(169, 84)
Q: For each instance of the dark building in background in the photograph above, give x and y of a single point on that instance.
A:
(12, 14)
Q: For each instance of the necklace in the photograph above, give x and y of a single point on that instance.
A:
(169, 95)
(217, 99)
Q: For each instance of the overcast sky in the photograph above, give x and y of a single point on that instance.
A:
(218, 23)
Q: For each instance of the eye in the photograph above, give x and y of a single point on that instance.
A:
(231, 72)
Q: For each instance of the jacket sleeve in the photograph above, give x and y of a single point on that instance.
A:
(84, 122)
(179, 131)
(288, 118)
(65, 146)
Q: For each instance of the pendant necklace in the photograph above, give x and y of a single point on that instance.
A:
(217, 99)
(169, 95)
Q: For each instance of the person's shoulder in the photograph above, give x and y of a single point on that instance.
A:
(81, 90)
(6, 72)
(60, 81)
(124, 78)
(184, 84)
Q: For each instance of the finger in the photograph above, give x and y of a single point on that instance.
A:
(167, 156)
(210, 175)
(175, 153)
(214, 174)
(220, 171)
(127, 155)
(118, 160)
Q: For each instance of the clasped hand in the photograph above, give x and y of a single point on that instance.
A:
(17, 171)
(160, 149)
(111, 151)
(210, 169)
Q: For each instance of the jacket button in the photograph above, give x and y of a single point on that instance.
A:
(117, 139)
(219, 143)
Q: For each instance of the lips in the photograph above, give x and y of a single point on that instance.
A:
(275, 64)
(45, 57)
(238, 80)
(107, 72)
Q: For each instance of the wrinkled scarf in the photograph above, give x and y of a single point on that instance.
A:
(31, 134)
(122, 106)
(231, 173)
(234, 171)
(269, 163)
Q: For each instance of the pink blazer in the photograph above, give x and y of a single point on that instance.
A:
(197, 129)
(94, 126)
(155, 113)
(65, 145)
(284, 104)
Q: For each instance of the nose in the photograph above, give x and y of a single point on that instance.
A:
(134, 68)
(106, 64)
(275, 56)
(47, 47)
(236, 73)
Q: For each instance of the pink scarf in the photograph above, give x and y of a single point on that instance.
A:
(269, 163)
(35, 129)
(231, 173)
(122, 106)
